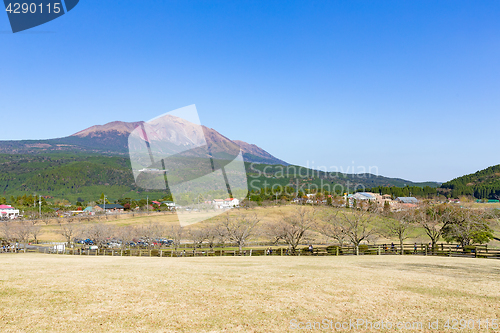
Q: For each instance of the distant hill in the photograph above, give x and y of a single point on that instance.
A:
(484, 184)
(112, 139)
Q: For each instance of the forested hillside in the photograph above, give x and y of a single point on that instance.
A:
(406, 191)
(484, 184)
(79, 177)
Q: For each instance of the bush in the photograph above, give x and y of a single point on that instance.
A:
(332, 249)
(363, 248)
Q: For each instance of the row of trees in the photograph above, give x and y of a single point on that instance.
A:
(302, 224)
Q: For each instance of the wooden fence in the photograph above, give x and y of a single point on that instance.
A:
(442, 249)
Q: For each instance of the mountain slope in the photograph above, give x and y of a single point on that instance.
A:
(112, 139)
(80, 177)
(484, 184)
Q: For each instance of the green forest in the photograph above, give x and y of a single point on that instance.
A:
(83, 177)
(484, 184)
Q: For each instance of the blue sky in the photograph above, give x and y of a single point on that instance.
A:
(411, 88)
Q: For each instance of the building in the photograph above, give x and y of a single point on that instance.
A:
(89, 210)
(114, 208)
(8, 212)
(407, 200)
(231, 202)
(218, 203)
(361, 197)
(169, 204)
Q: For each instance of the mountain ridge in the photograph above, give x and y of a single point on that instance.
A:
(112, 139)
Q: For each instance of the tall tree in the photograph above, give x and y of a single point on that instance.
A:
(291, 228)
(240, 228)
(466, 226)
(398, 224)
(433, 221)
(356, 224)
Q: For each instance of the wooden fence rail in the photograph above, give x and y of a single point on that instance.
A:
(442, 249)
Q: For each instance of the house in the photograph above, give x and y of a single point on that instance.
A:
(231, 202)
(170, 204)
(218, 203)
(89, 210)
(109, 208)
(8, 212)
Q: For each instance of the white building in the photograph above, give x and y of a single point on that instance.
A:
(232, 202)
(8, 212)
(226, 204)
(218, 203)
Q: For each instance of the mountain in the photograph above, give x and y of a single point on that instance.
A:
(484, 184)
(96, 160)
(112, 139)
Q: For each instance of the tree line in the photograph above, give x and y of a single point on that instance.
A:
(294, 227)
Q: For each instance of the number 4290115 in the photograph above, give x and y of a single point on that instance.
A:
(24, 8)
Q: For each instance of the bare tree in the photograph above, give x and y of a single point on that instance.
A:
(332, 229)
(239, 228)
(221, 234)
(151, 233)
(35, 230)
(399, 224)
(293, 227)
(198, 236)
(22, 232)
(68, 230)
(213, 233)
(433, 221)
(356, 225)
(127, 234)
(99, 233)
(7, 231)
(175, 233)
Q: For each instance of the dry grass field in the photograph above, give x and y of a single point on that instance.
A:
(56, 293)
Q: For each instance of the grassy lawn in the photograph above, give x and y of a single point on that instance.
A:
(40, 293)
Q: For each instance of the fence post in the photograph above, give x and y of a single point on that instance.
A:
(251, 252)
(150, 253)
(475, 252)
(121, 253)
(425, 250)
(282, 252)
(161, 253)
(171, 253)
(337, 251)
(378, 250)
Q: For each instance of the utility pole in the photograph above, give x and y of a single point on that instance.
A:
(104, 203)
